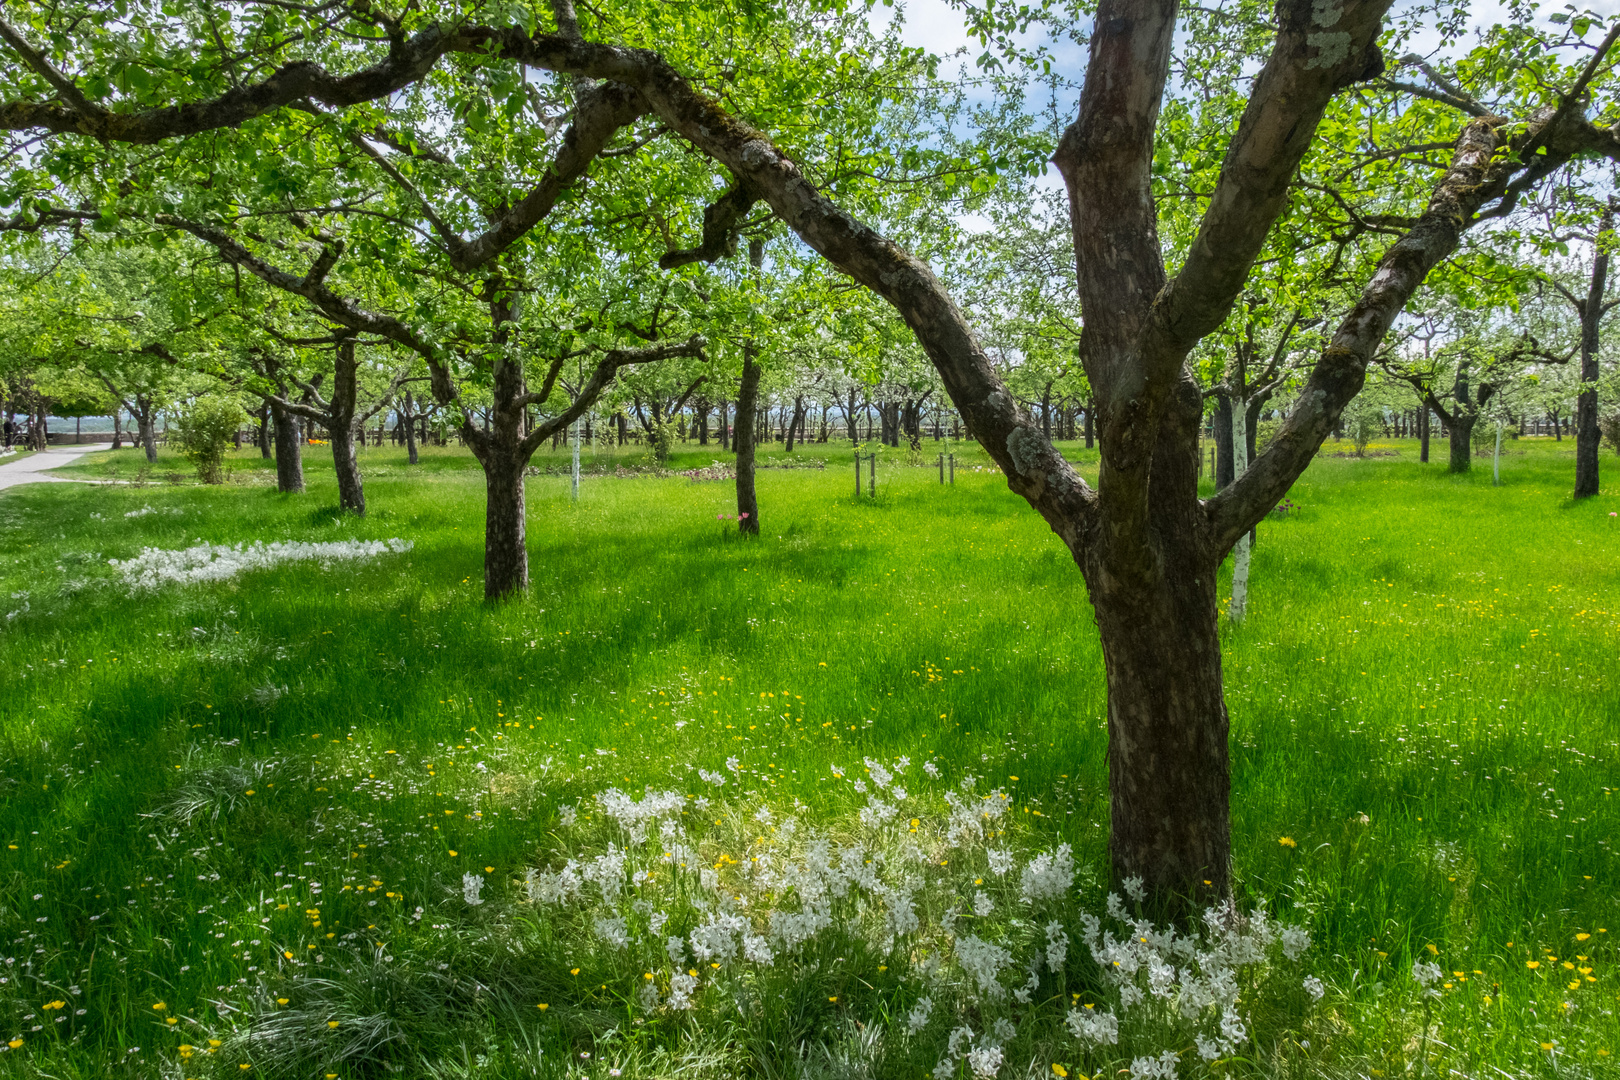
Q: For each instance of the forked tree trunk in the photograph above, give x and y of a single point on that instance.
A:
(1423, 434)
(118, 429)
(345, 430)
(796, 424)
(743, 440)
(289, 451)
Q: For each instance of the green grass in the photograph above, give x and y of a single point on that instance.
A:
(1423, 699)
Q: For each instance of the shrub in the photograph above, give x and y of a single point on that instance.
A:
(1610, 426)
(1362, 423)
(660, 441)
(204, 431)
(1264, 432)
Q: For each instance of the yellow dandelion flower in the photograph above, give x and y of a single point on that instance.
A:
(1287, 841)
(1582, 937)
(14, 1043)
(542, 1006)
(452, 853)
(281, 1001)
(159, 1007)
(170, 1020)
(1532, 964)
(573, 971)
(1058, 1070)
(332, 1023)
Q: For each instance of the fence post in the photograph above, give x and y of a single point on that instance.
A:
(942, 469)
(857, 472)
(953, 468)
(871, 475)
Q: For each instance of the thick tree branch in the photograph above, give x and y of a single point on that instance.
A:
(1478, 174)
(408, 60)
(601, 377)
(1319, 50)
(1034, 468)
(41, 66)
(602, 113)
(721, 222)
(339, 309)
(1467, 105)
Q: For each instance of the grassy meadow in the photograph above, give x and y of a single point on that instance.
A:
(239, 817)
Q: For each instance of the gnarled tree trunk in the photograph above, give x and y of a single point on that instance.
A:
(409, 425)
(1168, 765)
(289, 451)
(1461, 426)
(146, 428)
(506, 551)
(344, 428)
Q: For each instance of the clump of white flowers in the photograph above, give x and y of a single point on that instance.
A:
(155, 568)
(965, 912)
(471, 886)
(1426, 975)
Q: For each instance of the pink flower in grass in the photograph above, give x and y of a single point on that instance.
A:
(745, 514)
